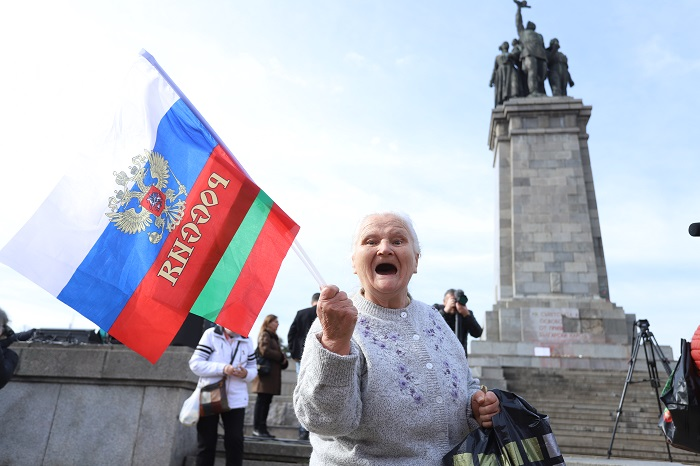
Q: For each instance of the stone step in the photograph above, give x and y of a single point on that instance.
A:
(281, 420)
(648, 447)
(592, 460)
(583, 404)
(258, 452)
(634, 410)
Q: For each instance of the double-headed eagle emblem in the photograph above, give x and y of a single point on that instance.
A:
(137, 203)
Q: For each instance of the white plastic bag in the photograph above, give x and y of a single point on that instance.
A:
(189, 414)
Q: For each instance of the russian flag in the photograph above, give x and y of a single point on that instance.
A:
(164, 222)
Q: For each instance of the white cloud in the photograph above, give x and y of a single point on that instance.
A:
(404, 61)
(355, 58)
(659, 58)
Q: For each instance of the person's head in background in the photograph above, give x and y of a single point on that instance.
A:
(3, 322)
(270, 324)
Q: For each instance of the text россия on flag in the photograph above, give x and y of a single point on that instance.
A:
(169, 224)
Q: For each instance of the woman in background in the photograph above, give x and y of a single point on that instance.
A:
(222, 352)
(267, 386)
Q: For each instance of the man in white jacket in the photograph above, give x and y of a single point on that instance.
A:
(223, 353)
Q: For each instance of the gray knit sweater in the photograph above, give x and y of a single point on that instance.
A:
(402, 396)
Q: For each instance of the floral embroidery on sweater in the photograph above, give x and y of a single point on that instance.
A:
(438, 335)
(392, 342)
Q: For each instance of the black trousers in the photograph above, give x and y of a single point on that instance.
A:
(262, 408)
(207, 435)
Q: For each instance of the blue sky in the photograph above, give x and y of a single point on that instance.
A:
(338, 109)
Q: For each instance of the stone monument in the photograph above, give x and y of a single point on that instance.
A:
(552, 285)
(553, 305)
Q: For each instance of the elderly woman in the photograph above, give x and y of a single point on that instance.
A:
(383, 379)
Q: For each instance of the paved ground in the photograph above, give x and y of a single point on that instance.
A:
(601, 461)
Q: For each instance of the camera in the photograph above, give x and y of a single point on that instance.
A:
(643, 324)
(460, 297)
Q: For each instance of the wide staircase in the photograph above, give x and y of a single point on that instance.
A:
(582, 406)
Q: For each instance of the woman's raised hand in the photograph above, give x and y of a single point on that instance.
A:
(337, 316)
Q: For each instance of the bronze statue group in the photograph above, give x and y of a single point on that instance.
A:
(521, 72)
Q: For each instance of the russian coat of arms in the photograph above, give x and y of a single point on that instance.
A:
(144, 203)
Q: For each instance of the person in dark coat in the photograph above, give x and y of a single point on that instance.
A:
(269, 385)
(8, 358)
(300, 327)
(459, 318)
(295, 339)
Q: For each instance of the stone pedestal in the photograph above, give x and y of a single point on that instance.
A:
(96, 404)
(553, 303)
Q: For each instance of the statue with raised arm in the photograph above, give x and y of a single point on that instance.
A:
(558, 69)
(533, 56)
(505, 77)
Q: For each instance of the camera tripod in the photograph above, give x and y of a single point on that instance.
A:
(644, 338)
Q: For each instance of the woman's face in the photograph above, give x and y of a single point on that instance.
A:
(272, 326)
(384, 260)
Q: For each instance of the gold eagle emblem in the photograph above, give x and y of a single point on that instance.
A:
(141, 205)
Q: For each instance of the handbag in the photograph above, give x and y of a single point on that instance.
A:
(212, 397)
(264, 364)
(680, 421)
(189, 414)
(520, 435)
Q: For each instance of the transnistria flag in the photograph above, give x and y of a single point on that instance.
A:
(164, 222)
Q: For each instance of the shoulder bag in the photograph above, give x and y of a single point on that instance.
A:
(212, 397)
(264, 364)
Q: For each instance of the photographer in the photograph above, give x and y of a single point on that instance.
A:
(458, 317)
(8, 358)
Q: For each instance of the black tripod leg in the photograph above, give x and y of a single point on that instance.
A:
(660, 354)
(630, 371)
(654, 376)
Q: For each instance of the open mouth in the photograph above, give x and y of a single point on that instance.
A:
(386, 269)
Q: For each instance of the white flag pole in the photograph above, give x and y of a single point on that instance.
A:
(307, 262)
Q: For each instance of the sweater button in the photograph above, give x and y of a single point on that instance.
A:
(416, 337)
(438, 399)
(404, 314)
(429, 365)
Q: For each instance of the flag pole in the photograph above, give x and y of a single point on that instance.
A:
(192, 108)
(307, 262)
